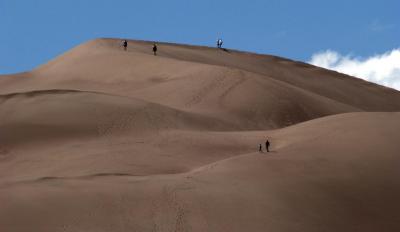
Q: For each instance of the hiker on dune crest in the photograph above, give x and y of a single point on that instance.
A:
(219, 43)
(155, 49)
(125, 44)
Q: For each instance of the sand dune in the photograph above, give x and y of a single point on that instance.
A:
(90, 114)
(101, 139)
(258, 92)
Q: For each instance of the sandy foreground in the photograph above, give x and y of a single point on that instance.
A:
(102, 139)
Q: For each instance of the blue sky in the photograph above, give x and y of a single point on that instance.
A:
(35, 31)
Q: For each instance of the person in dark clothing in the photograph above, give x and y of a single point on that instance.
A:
(267, 145)
(260, 148)
(125, 44)
(155, 49)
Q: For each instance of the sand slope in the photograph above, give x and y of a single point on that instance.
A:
(101, 139)
(341, 177)
(252, 91)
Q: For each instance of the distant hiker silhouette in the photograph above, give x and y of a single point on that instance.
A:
(219, 43)
(267, 145)
(125, 44)
(155, 49)
(260, 148)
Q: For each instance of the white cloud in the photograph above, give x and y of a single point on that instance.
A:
(383, 69)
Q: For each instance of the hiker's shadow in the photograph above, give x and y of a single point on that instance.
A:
(225, 50)
(270, 152)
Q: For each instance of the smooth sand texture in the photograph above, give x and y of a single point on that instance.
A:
(101, 139)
